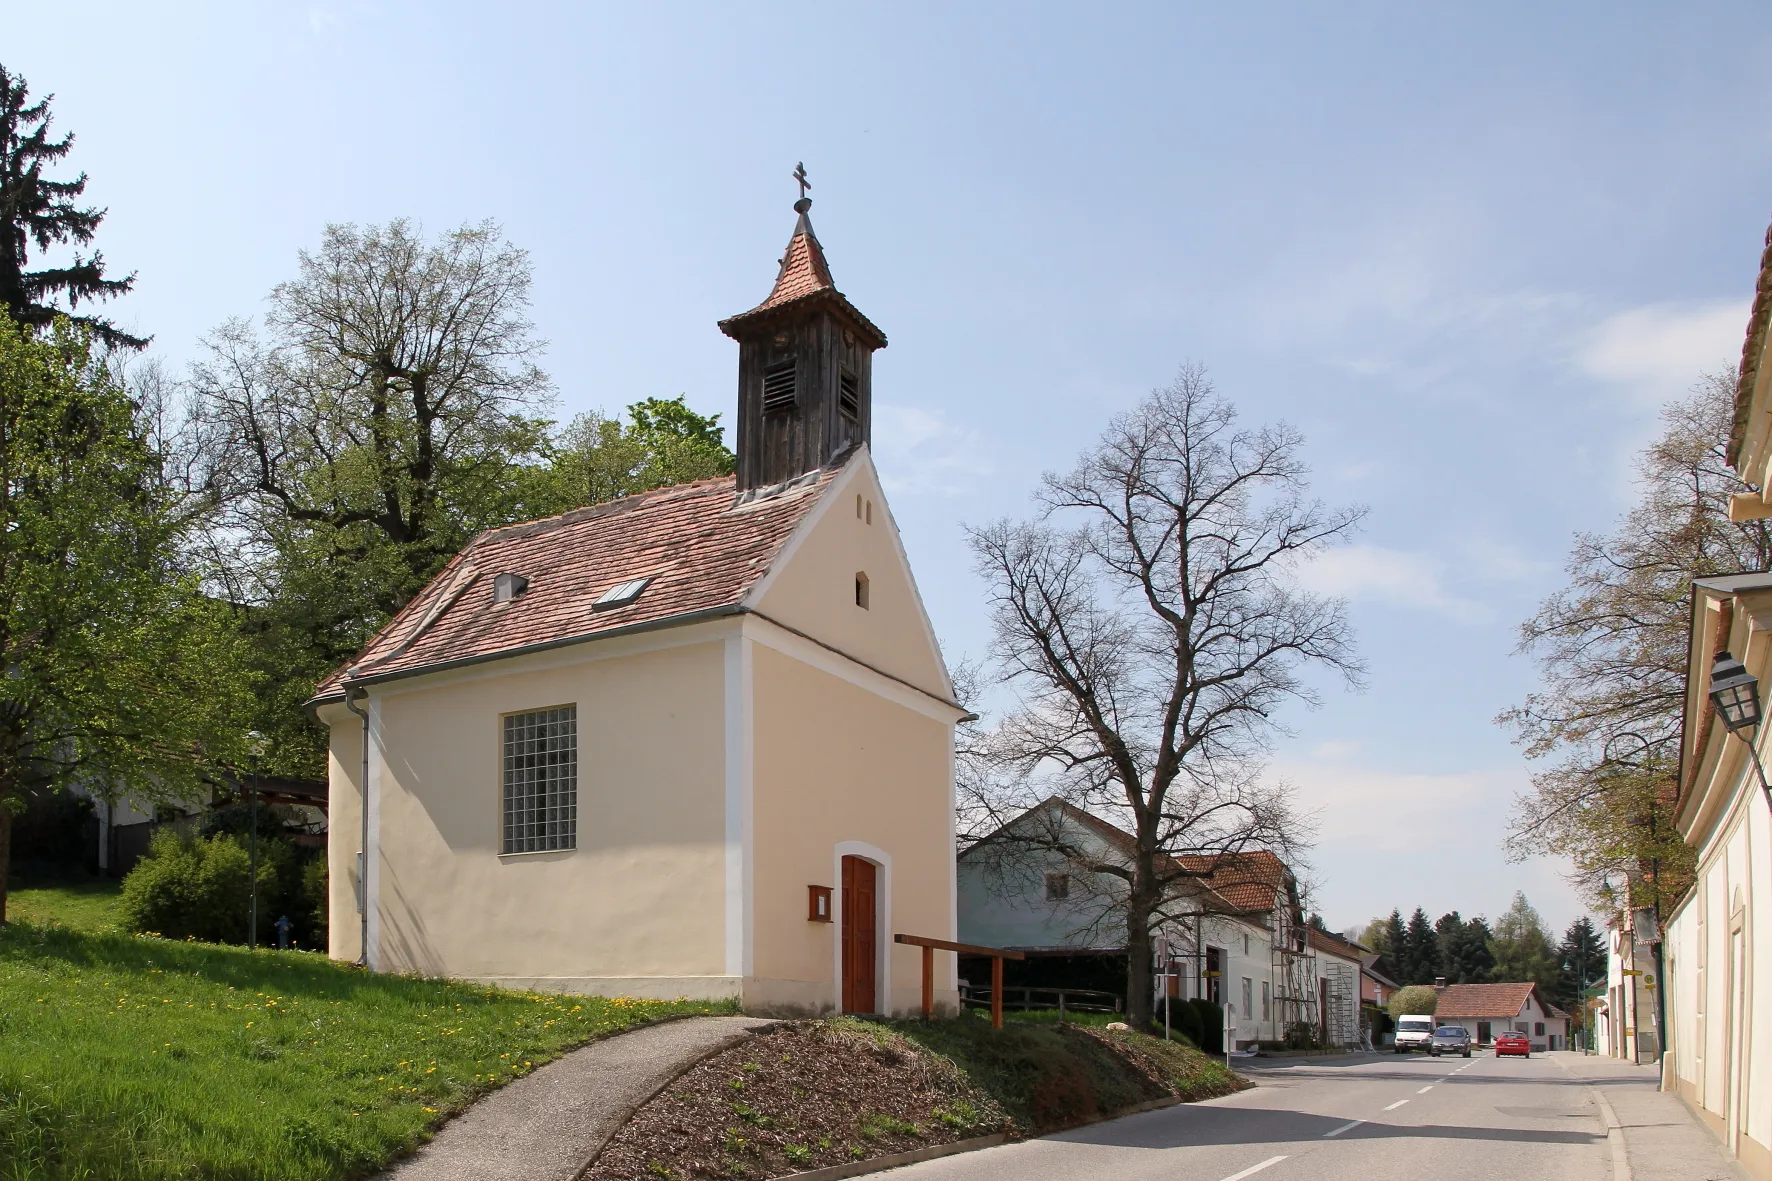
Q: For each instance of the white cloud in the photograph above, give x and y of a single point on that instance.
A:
(1659, 350)
(1334, 751)
(1372, 572)
(1397, 810)
(921, 452)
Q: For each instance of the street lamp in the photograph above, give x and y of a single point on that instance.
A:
(1736, 694)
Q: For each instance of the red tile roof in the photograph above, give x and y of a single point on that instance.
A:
(702, 546)
(805, 276)
(1485, 1000)
(1255, 880)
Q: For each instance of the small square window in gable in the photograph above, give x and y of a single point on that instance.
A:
(1058, 887)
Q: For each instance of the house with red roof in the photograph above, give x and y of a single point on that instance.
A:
(1484, 1010)
(1231, 931)
(696, 742)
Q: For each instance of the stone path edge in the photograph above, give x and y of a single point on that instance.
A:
(634, 1108)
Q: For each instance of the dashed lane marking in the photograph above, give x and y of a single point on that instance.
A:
(1254, 1169)
(1353, 1123)
(1425, 1089)
(1396, 1105)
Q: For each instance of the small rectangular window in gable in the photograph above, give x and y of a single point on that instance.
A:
(1058, 887)
(849, 396)
(541, 780)
(778, 388)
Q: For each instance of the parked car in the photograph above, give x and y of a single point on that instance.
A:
(1450, 1039)
(1512, 1043)
(1414, 1032)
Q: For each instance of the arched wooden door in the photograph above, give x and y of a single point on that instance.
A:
(859, 935)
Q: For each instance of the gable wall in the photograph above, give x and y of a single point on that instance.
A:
(813, 587)
(835, 762)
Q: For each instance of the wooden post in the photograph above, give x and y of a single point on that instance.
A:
(996, 992)
(928, 983)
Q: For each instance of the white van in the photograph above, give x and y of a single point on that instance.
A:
(1414, 1032)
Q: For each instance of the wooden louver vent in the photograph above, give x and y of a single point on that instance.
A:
(778, 387)
(849, 396)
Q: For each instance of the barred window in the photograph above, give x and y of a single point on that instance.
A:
(541, 780)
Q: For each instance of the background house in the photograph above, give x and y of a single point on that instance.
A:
(692, 743)
(1232, 930)
(1484, 1010)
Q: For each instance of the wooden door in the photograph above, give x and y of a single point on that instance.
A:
(859, 935)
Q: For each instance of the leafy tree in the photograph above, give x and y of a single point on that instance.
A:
(1612, 648)
(378, 422)
(1522, 950)
(37, 211)
(1581, 960)
(1415, 1000)
(1148, 619)
(594, 458)
(120, 674)
(1420, 958)
(1376, 935)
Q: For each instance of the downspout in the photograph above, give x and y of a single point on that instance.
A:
(351, 698)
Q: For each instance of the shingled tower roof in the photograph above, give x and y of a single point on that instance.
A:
(804, 276)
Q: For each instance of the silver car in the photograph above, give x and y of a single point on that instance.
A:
(1450, 1039)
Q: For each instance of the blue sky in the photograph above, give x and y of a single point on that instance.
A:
(1467, 253)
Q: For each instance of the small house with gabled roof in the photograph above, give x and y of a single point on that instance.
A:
(1484, 1010)
(696, 742)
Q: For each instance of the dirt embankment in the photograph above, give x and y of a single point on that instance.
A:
(810, 1094)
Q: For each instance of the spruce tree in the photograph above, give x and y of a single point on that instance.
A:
(1581, 960)
(38, 212)
(1421, 950)
(1395, 947)
(1448, 933)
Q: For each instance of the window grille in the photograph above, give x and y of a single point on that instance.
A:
(778, 387)
(541, 780)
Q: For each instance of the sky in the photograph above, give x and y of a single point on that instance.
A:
(1467, 250)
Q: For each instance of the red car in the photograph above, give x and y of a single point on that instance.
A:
(1512, 1043)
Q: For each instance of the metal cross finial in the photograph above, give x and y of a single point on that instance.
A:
(800, 175)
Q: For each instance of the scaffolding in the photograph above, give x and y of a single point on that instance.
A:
(1294, 973)
(1344, 1001)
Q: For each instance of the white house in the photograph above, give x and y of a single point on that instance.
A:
(1234, 934)
(1484, 1010)
(1632, 1029)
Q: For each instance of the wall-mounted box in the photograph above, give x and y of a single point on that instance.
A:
(818, 904)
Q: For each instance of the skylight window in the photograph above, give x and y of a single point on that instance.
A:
(620, 595)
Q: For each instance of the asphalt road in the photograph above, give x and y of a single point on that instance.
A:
(1356, 1119)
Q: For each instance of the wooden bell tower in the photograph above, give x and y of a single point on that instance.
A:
(805, 367)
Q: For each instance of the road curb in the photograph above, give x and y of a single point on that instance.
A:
(880, 1164)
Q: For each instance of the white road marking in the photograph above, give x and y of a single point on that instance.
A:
(1392, 1107)
(1253, 1169)
(1425, 1089)
(1353, 1123)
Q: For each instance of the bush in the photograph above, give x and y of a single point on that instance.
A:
(189, 888)
(1302, 1035)
(1211, 1025)
(1184, 1019)
(1418, 999)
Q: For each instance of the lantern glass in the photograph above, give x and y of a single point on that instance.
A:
(1735, 692)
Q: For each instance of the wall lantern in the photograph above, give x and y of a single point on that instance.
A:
(1735, 691)
(818, 904)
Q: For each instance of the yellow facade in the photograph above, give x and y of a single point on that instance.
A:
(723, 767)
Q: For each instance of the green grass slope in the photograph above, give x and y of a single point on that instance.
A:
(131, 1058)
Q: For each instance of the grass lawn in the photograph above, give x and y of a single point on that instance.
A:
(131, 1058)
(84, 904)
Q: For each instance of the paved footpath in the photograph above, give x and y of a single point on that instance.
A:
(546, 1126)
(1376, 1116)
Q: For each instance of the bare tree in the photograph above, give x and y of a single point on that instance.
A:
(1612, 646)
(1150, 625)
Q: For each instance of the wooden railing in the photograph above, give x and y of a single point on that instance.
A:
(931, 946)
(1075, 1000)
